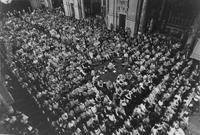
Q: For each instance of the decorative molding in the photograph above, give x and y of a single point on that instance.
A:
(130, 18)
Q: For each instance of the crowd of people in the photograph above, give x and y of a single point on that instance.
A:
(18, 123)
(91, 80)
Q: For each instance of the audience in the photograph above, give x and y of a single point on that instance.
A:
(18, 123)
(91, 80)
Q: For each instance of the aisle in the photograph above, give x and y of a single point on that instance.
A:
(26, 104)
(194, 124)
(3, 131)
(111, 75)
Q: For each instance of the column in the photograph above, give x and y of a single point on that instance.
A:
(50, 5)
(143, 18)
(131, 16)
(102, 4)
(137, 19)
(107, 7)
(162, 10)
(103, 8)
(91, 7)
(160, 21)
(115, 15)
(76, 9)
(106, 15)
(82, 9)
(110, 13)
(67, 7)
(46, 3)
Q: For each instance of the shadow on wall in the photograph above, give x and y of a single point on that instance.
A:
(17, 5)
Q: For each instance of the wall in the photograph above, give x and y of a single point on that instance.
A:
(77, 6)
(67, 8)
(35, 4)
(196, 52)
(131, 17)
(46, 3)
(38, 3)
(111, 13)
(76, 9)
(126, 7)
(17, 5)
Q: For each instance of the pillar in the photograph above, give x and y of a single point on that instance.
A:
(160, 19)
(137, 19)
(103, 8)
(106, 15)
(76, 9)
(102, 4)
(115, 14)
(162, 10)
(131, 15)
(50, 5)
(143, 18)
(79, 9)
(107, 6)
(82, 9)
(67, 8)
(110, 13)
(91, 7)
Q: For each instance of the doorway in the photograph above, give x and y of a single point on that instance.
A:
(96, 8)
(57, 3)
(92, 7)
(122, 21)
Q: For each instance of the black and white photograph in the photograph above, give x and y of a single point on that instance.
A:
(99, 67)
